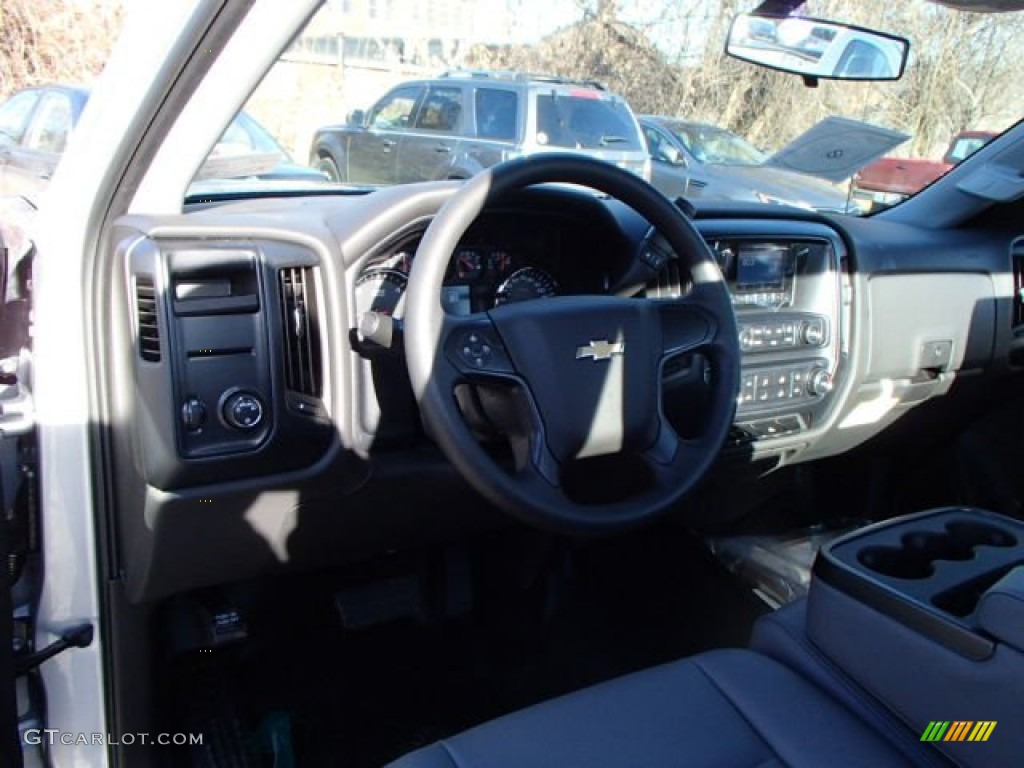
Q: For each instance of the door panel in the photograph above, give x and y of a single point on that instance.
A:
(373, 153)
(669, 172)
(10, 747)
(427, 152)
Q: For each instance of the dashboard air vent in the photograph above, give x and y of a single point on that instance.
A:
(146, 312)
(1017, 257)
(301, 332)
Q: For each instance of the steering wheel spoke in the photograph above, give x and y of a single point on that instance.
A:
(671, 458)
(688, 324)
(540, 466)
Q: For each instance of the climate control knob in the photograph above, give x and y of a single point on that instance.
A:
(243, 410)
(819, 383)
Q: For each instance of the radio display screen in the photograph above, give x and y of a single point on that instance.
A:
(762, 267)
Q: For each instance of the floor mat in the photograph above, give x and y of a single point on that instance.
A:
(592, 612)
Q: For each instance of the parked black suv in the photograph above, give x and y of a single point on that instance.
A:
(464, 121)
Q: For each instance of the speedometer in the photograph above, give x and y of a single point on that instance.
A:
(525, 284)
(381, 291)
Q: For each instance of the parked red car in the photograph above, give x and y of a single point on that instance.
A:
(890, 179)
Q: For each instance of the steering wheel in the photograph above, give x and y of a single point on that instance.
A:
(588, 368)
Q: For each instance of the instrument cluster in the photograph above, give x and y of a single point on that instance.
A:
(494, 264)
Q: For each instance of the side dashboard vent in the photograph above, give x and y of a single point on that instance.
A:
(303, 371)
(148, 319)
(1017, 258)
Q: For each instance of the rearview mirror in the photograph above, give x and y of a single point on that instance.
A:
(817, 49)
(356, 117)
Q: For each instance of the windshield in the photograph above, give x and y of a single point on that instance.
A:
(377, 93)
(714, 145)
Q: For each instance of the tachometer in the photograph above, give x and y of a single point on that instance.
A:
(381, 290)
(525, 284)
(469, 264)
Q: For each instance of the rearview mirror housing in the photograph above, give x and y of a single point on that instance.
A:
(816, 48)
(356, 117)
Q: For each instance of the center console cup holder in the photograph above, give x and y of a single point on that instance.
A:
(981, 534)
(924, 614)
(918, 551)
(929, 569)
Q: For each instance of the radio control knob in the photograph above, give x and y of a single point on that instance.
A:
(813, 333)
(819, 383)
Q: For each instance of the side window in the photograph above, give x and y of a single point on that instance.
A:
(496, 114)
(965, 147)
(51, 125)
(395, 109)
(441, 110)
(14, 116)
(657, 147)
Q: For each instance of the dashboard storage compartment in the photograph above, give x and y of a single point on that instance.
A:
(924, 612)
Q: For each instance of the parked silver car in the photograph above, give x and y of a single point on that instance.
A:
(693, 159)
(35, 125)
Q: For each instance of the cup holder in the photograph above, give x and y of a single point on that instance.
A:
(937, 546)
(898, 563)
(919, 550)
(981, 535)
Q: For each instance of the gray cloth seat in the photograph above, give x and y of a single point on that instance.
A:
(722, 708)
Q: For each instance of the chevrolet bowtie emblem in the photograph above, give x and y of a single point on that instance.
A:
(601, 350)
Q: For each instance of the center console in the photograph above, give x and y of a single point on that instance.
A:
(926, 614)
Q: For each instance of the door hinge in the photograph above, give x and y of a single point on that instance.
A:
(76, 637)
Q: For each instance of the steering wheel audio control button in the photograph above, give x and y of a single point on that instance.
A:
(243, 410)
(478, 349)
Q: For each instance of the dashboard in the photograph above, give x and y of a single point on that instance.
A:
(254, 430)
(785, 289)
